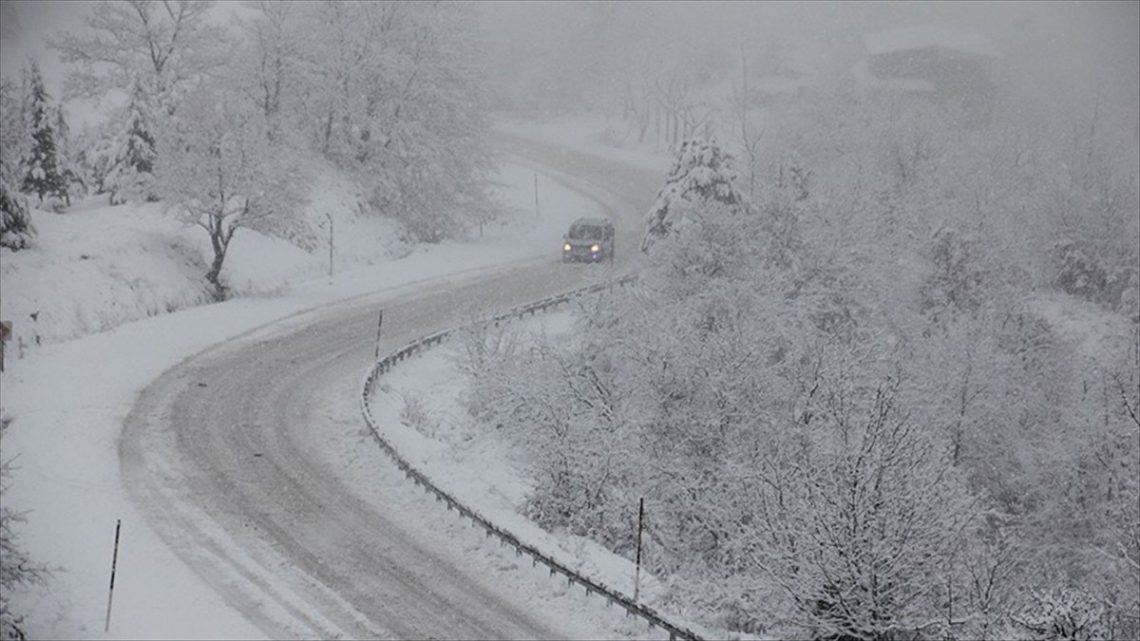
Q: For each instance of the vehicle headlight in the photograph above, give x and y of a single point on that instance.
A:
(566, 247)
(595, 248)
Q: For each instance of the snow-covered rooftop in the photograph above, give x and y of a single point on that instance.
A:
(864, 76)
(927, 36)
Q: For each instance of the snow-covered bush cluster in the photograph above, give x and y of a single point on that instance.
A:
(226, 126)
(852, 404)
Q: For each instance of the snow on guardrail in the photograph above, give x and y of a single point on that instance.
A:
(505, 537)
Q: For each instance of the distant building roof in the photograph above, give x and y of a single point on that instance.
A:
(781, 84)
(868, 79)
(909, 38)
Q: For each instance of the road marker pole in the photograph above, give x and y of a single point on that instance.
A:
(331, 246)
(379, 324)
(114, 562)
(637, 571)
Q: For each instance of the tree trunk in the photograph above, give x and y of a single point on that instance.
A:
(220, 241)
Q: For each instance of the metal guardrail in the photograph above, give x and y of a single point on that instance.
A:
(591, 586)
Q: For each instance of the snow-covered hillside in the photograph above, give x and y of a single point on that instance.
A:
(68, 398)
(94, 266)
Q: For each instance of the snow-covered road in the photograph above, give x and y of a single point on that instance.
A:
(234, 463)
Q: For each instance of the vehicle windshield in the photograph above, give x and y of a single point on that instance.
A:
(585, 232)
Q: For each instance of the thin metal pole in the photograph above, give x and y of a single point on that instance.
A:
(114, 562)
(379, 324)
(329, 216)
(637, 572)
(536, 194)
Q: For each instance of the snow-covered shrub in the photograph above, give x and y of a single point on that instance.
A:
(486, 353)
(1082, 274)
(16, 230)
(868, 513)
(17, 570)
(1063, 614)
(415, 414)
(956, 284)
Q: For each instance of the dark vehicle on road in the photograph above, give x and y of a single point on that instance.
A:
(589, 239)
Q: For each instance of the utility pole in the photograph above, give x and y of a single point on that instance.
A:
(536, 194)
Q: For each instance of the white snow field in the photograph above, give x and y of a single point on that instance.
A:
(181, 576)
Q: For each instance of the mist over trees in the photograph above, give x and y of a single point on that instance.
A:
(851, 400)
(879, 376)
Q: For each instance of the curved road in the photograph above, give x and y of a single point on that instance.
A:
(221, 456)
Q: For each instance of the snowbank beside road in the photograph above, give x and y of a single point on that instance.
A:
(69, 399)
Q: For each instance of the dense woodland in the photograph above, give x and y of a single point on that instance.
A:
(843, 398)
(843, 384)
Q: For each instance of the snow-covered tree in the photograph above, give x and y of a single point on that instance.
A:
(17, 569)
(14, 137)
(132, 171)
(166, 47)
(16, 229)
(393, 93)
(70, 158)
(271, 69)
(217, 170)
(702, 174)
(42, 171)
(868, 520)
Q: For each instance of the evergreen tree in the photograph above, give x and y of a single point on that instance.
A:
(701, 175)
(16, 229)
(42, 175)
(15, 224)
(132, 172)
(72, 180)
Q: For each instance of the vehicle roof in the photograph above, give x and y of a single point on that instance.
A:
(592, 221)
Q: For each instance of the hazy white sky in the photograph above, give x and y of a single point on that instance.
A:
(1066, 46)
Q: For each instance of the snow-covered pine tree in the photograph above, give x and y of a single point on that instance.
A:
(73, 182)
(701, 174)
(15, 222)
(18, 571)
(132, 172)
(42, 171)
(15, 225)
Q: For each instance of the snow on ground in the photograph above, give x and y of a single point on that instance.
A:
(1106, 340)
(418, 407)
(69, 399)
(596, 135)
(95, 267)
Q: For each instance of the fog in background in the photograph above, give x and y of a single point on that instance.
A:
(552, 55)
(564, 56)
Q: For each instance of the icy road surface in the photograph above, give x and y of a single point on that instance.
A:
(236, 469)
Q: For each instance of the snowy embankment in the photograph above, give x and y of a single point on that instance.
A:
(418, 406)
(68, 398)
